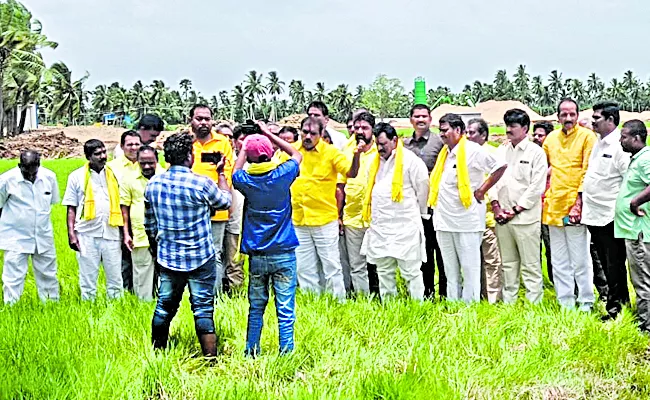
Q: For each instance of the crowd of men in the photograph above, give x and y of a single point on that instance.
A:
(314, 209)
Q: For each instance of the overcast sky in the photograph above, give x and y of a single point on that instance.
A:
(451, 43)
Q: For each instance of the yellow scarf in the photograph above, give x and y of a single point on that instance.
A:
(397, 194)
(464, 186)
(115, 217)
(262, 168)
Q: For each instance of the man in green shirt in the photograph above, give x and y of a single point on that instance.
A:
(632, 217)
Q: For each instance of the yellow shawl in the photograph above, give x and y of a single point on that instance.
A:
(262, 168)
(115, 216)
(397, 188)
(464, 186)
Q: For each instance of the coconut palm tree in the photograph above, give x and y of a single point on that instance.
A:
(319, 93)
(274, 87)
(503, 89)
(555, 86)
(254, 90)
(68, 96)
(521, 80)
(186, 86)
(297, 95)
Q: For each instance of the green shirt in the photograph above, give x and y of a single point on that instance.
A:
(626, 224)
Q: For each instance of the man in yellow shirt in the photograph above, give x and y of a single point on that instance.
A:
(135, 237)
(568, 150)
(209, 141)
(123, 165)
(353, 191)
(315, 214)
(491, 268)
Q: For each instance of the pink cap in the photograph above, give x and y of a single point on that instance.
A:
(257, 146)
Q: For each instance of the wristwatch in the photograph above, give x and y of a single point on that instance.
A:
(516, 210)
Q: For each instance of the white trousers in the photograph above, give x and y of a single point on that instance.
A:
(572, 265)
(519, 246)
(319, 243)
(461, 251)
(93, 252)
(410, 271)
(358, 265)
(15, 270)
(143, 271)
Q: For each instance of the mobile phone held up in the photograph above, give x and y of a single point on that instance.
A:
(211, 158)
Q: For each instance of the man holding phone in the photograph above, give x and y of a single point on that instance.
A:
(208, 149)
(350, 195)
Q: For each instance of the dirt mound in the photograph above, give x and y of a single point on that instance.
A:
(295, 119)
(492, 111)
(443, 109)
(625, 115)
(49, 144)
(110, 135)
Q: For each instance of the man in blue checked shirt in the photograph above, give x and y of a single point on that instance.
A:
(180, 206)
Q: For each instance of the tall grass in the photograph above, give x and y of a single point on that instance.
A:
(401, 349)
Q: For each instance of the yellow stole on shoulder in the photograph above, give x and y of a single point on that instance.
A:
(464, 185)
(397, 189)
(115, 215)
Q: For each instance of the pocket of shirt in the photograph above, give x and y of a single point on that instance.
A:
(603, 166)
(522, 172)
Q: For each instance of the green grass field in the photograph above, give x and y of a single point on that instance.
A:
(360, 349)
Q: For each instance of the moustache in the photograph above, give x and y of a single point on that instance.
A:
(362, 138)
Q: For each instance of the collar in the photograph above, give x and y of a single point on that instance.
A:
(21, 178)
(613, 137)
(423, 138)
(571, 131)
(179, 168)
(521, 145)
(637, 155)
(318, 148)
(125, 161)
(214, 136)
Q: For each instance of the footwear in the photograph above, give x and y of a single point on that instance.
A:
(587, 308)
(208, 343)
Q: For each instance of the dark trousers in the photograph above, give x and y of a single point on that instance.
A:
(127, 266)
(546, 239)
(429, 267)
(600, 279)
(612, 256)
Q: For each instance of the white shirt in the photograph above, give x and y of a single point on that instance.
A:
(237, 212)
(74, 196)
(523, 182)
(338, 139)
(25, 224)
(449, 214)
(396, 228)
(607, 167)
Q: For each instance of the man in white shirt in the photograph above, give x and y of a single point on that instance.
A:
(395, 238)
(149, 128)
(27, 194)
(458, 188)
(607, 167)
(517, 206)
(94, 221)
(318, 110)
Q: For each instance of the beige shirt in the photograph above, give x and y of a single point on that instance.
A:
(523, 182)
(607, 167)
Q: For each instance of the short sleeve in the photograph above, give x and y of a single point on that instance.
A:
(125, 194)
(340, 161)
(55, 190)
(3, 191)
(71, 196)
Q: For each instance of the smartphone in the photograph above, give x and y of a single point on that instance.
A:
(566, 222)
(211, 158)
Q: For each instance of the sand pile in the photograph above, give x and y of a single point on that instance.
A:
(49, 144)
(443, 109)
(492, 111)
(295, 120)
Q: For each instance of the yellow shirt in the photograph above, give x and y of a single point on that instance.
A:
(490, 222)
(122, 167)
(132, 195)
(568, 156)
(217, 144)
(355, 188)
(313, 194)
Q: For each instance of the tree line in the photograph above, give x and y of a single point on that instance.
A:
(63, 100)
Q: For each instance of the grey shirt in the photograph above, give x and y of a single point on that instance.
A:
(427, 148)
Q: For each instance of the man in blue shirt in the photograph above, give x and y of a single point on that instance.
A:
(268, 236)
(181, 203)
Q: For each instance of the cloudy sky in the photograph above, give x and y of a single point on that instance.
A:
(216, 42)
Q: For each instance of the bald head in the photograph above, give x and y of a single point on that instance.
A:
(30, 161)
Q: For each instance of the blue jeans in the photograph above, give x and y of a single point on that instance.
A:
(280, 269)
(172, 284)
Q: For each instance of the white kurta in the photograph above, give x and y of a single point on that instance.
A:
(396, 229)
